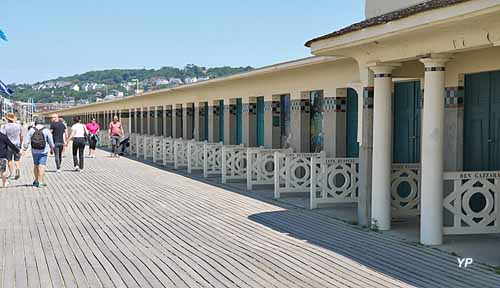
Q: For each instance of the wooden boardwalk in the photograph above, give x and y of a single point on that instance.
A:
(121, 223)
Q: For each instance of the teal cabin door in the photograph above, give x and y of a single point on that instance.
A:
(260, 121)
(352, 124)
(406, 135)
(482, 121)
(239, 121)
(221, 121)
(205, 119)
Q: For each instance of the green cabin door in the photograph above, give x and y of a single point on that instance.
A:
(406, 135)
(260, 121)
(239, 121)
(205, 117)
(352, 124)
(221, 121)
(482, 121)
(192, 121)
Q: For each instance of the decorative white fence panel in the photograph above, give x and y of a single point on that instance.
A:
(140, 146)
(260, 166)
(405, 190)
(101, 138)
(474, 202)
(104, 139)
(212, 159)
(195, 156)
(334, 180)
(181, 153)
(157, 148)
(168, 150)
(292, 172)
(133, 143)
(148, 147)
(234, 163)
(108, 140)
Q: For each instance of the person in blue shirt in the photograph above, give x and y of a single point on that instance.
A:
(41, 142)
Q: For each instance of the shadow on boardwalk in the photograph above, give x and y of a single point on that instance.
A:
(411, 263)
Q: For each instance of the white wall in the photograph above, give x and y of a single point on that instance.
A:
(378, 7)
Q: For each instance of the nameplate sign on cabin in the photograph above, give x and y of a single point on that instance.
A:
(472, 175)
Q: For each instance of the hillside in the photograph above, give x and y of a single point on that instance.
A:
(96, 85)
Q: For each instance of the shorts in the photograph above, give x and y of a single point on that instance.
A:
(11, 154)
(40, 158)
(3, 165)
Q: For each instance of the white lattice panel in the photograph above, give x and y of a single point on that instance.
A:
(148, 147)
(133, 144)
(405, 201)
(234, 163)
(181, 153)
(168, 151)
(212, 159)
(104, 139)
(157, 148)
(140, 146)
(293, 172)
(334, 180)
(101, 135)
(195, 156)
(468, 216)
(261, 166)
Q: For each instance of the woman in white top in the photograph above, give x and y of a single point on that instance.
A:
(78, 134)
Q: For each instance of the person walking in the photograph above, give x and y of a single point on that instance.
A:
(41, 143)
(59, 135)
(115, 134)
(78, 133)
(5, 145)
(14, 132)
(65, 133)
(93, 128)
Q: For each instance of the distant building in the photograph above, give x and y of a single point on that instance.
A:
(190, 80)
(75, 88)
(161, 81)
(61, 84)
(175, 81)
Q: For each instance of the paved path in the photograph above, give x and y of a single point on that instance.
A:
(121, 223)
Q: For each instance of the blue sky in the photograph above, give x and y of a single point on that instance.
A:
(55, 38)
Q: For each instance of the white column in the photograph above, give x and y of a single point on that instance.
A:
(382, 146)
(431, 219)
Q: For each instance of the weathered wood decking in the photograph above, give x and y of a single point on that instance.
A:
(121, 223)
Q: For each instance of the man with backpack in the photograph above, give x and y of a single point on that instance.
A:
(41, 143)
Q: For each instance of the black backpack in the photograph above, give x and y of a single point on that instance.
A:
(38, 139)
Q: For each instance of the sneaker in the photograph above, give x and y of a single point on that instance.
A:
(18, 174)
(12, 177)
(77, 168)
(35, 183)
(58, 171)
(81, 170)
(41, 185)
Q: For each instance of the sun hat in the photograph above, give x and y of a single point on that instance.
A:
(11, 117)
